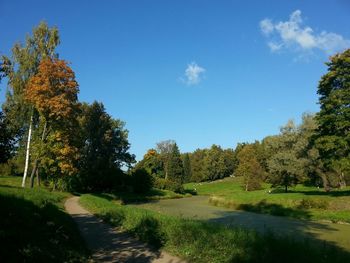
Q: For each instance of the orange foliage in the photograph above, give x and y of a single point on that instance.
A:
(53, 90)
(150, 153)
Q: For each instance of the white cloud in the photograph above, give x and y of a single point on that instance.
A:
(193, 74)
(274, 46)
(294, 35)
(266, 26)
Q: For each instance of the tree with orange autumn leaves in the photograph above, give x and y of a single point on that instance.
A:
(70, 144)
(53, 93)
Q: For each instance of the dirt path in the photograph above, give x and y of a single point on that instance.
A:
(109, 244)
(197, 207)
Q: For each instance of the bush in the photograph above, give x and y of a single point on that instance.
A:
(160, 183)
(164, 184)
(7, 169)
(174, 186)
(141, 181)
(307, 203)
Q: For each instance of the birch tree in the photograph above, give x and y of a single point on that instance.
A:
(21, 66)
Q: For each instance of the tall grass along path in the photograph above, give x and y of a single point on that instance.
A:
(110, 245)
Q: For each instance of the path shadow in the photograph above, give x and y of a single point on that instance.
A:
(110, 245)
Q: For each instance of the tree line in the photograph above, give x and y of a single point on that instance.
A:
(315, 152)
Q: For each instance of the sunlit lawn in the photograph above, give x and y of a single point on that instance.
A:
(334, 206)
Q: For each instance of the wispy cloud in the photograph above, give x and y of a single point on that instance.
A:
(193, 74)
(294, 35)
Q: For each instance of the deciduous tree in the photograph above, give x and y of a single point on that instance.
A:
(249, 167)
(333, 133)
(53, 93)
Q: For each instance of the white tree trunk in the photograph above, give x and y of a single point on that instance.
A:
(27, 152)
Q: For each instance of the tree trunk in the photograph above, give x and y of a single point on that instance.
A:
(34, 171)
(35, 166)
(342, 182)
(37, 177)
(286, 188)
(27, 152)
(325, 182)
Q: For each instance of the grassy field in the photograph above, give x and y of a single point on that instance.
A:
(34, 226)
(301, 202)
(198, 241)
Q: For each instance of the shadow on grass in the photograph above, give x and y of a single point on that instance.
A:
(190, 191)
(130, 197)
(330, 240)
(334, 193)
(29, 233)
(264, 207)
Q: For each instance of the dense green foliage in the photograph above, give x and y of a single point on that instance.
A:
(333, 133)
(165, 165)
(6, 140)
(198, 241)
(249, 168)
(103, 151)
(212, 164)
(187, 167)
(34, 227)
(175, 171)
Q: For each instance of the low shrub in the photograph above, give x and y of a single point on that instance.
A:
(160, 183)
(308, 203)
(219, 201)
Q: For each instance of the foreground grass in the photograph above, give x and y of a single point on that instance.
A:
(300, 202)
(198, 241)
(34, 227)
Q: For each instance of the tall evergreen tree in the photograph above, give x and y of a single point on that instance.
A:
(187, 167)
(333, 133)
(175, 168)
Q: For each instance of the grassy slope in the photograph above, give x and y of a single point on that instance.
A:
(34, 226)
(198, 241)
(300, 202)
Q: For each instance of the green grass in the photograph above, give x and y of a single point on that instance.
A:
(34, 226)
(198, 241)
(300, 202)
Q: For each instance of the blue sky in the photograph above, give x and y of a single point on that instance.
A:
(199, 72)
